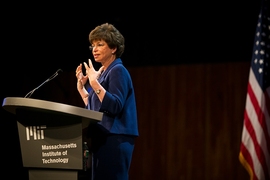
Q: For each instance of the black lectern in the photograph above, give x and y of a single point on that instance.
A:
(50, 136)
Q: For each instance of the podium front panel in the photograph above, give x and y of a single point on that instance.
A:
(50, 140)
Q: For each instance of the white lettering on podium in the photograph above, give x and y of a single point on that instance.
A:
(51, 153)
(59, 146)
(36, 132)
(55, 161)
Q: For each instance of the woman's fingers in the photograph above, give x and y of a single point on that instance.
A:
(90, 63)
(86, 65)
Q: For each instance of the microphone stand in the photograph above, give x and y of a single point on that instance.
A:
(29, 94)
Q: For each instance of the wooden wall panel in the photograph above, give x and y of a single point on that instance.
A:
(190, 121)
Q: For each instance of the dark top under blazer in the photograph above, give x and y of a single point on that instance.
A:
(118, 105)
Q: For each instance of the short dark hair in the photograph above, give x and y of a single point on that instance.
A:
(108, 33)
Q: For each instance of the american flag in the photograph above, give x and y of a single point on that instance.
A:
(255, 143)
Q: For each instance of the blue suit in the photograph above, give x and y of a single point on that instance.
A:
(113, 138)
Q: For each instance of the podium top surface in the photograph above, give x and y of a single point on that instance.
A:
(10, 104)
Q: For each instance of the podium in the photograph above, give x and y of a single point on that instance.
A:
(50, 136)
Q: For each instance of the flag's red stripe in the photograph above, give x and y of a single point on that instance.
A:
(247, 162)
(257, 147)
(260, 115)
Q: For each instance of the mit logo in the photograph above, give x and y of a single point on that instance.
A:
(36, 132)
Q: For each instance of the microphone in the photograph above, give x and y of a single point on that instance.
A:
(28, 95)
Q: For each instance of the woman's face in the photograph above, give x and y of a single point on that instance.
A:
(101, 51)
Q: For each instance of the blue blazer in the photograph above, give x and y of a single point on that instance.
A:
(119, 104)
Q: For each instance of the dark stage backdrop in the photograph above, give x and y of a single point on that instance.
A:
(190, 119)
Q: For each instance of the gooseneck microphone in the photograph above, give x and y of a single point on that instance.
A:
(28, 95)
